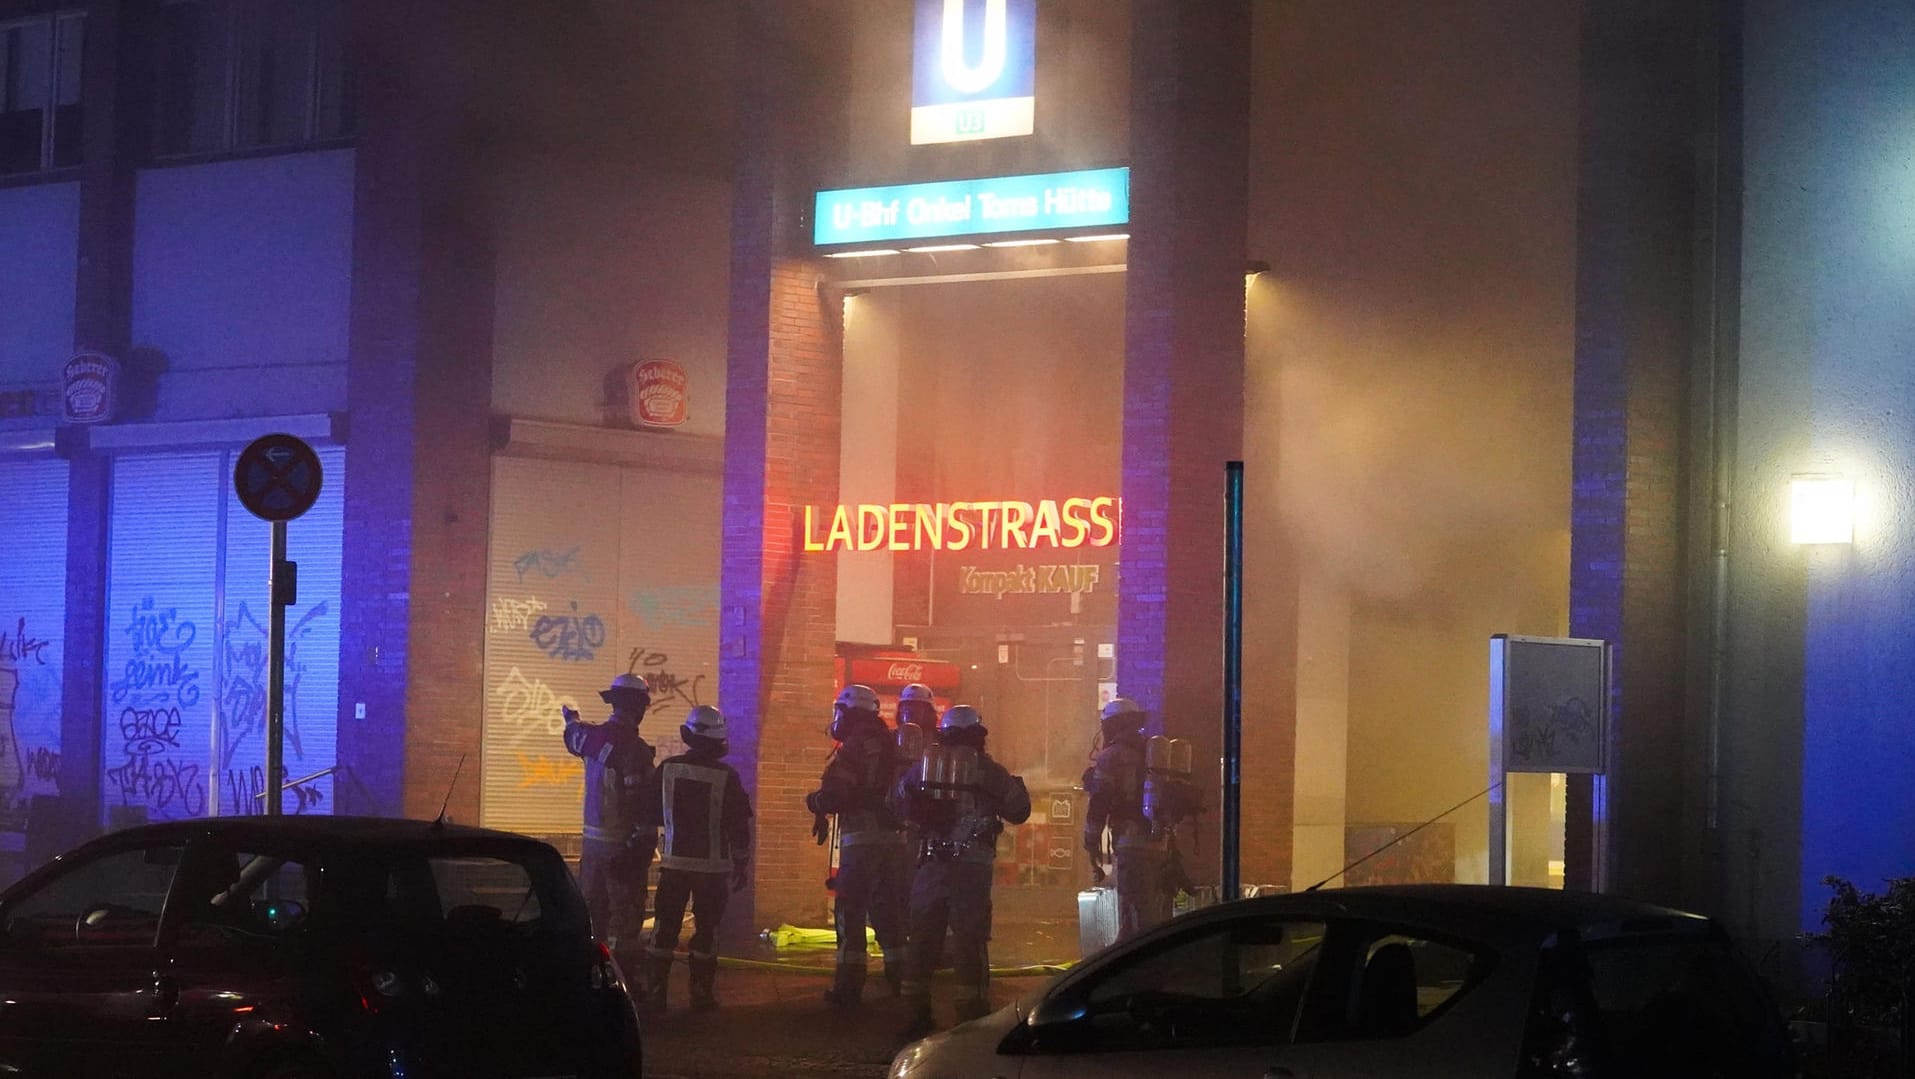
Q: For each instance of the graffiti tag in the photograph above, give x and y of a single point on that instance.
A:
(569, 637)
(529, 705)
(666, 685)
(149, 775)
(246, 787)
(157, 672)
(21, 646)
(244, 651)
(514, 614)
(545, 770)
(550, 564)
(686, 606)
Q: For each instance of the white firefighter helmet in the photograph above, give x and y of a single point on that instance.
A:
(704, 721)
(960, 717)
(917, 691)
(857, 698)
(1121, 706)
(626, 684)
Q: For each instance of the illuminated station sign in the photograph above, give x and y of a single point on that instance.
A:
(960, 526)
(974, 70)
(1089, 198)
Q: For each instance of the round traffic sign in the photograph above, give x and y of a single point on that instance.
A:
(277, 477)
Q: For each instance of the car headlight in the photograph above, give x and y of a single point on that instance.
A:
(906, 1063)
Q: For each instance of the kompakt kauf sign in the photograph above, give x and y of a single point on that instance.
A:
(1053, 201)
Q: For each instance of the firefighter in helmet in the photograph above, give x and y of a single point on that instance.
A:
(617, 849)
(958, 799)
(1140, 856)
(871, 878)
(702, 806)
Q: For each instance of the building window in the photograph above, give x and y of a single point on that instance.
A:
(251, 74)
(40, 93)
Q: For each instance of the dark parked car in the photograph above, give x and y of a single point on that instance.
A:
(1432, 982)
(299, 947)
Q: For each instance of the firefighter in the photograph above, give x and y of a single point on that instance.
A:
(871, 878)
(958, 799)
(918, 706)
(1141, 856)
(617, 850)
(699, 802)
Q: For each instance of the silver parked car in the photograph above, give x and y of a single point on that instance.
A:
(1432, 981)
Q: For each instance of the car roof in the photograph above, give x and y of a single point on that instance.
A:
(315, 830)
(1488, 911)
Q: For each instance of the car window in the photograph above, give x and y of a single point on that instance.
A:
(1234, 983)
(250, 894)
(475, 889)
(1387, 983)
(1679, 997)
(114, 899)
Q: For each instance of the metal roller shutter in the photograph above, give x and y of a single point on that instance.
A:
(160, 650)
(594, 570)
(186, 649)
(32, 627)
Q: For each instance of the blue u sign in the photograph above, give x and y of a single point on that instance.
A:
(974, 71)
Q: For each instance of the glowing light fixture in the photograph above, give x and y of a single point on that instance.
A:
(862, 254)
(1821, 509)
(933, 248)
(1019, 243)
(1098, 239)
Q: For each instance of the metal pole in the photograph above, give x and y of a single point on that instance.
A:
(1233, 682)
(276, 671)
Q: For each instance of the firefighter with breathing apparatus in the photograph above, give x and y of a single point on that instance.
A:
(1139, 794)
(957, 800)
(616, 852)
(871, 881)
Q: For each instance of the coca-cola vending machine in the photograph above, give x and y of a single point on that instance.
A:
(889, 671)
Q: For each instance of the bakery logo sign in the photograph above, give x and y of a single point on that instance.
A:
(658, 393)
(974, 70)
(88, 387)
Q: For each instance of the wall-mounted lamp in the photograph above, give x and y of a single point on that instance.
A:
(1821, 509)
(1255, 267)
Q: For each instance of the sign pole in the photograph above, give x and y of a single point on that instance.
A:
(1233, 683)
(278, 580)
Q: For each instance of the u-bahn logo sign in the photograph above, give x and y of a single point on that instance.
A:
(974, 71)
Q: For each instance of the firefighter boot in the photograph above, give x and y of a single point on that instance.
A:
(894, 972)
(847, 987)
(922, 1022)
(658, 980)
(704, 974)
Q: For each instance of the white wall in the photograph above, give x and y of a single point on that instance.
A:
(39, 238)
(242, 283)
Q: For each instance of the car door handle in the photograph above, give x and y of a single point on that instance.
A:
(166, 994)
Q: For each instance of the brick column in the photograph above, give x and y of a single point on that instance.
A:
(102, 320)
(1184, 371)
(418, 465)
(1634, 236)
(783, 390)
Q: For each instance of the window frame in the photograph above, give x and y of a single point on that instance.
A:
(57, 20)
(241, 22)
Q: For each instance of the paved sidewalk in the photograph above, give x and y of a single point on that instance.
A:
(776, 1023)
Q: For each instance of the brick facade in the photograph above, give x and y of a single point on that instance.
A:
(777, 609)
(1632, 345)
(1183, 376)
(418, 466)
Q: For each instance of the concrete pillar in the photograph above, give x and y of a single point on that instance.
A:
(868, 462)
(114, 142)
(1184, 358)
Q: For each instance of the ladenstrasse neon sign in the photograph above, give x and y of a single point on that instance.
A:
(961, 526)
